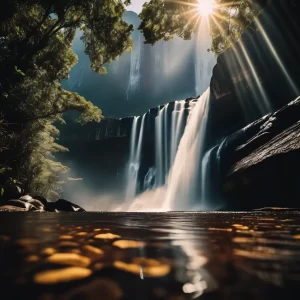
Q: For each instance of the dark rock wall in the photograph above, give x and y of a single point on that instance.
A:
(263, 168)
(106, 129)
(260, 73)
(259, 164)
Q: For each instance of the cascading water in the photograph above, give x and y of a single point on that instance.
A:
(183, 179)
(166, 140)
(135, 157)
(210, 172)
(177, 128)
(182, 182)
(161, 145)
(135, 63)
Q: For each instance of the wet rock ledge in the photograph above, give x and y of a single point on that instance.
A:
(265, 169)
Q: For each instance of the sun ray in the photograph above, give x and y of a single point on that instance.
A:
(276, 57)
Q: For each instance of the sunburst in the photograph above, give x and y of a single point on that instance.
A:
(206, 7)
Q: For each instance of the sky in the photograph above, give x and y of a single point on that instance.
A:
(136, 5)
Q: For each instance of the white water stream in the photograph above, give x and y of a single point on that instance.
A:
(182, 182)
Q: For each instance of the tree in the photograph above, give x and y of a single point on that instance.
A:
(35, 56)
(162, 19)
(24, 35)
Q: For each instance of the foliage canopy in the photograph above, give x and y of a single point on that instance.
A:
(35, 56)
(162, 19)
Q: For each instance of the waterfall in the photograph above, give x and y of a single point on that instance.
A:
(159, 148)
(183, 179)
(135, 64)
(206, 173)
(181, 167)
(210, 165)
(181, 187)
(135, 157)
(168, 132)
(161, 145)
(177, 127)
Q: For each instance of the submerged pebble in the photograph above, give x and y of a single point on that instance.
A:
(69, 259)
(144, 267)
(107, 236)
(124, 244)
(61, 275)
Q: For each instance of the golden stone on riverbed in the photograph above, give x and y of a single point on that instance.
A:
(107, 236)
(93, 251)
(61, 275)
(82, 233)
(147, 267)
(72, 259)
(126, 244)
(65, 237)
(48, 251)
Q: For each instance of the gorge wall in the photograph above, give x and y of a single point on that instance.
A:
(260, 73)
(257, 76)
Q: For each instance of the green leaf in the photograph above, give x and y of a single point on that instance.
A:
(19, 71)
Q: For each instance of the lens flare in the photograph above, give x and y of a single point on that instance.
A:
(206, 7)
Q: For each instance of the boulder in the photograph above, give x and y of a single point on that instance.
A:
(62, 205)
(39, 204)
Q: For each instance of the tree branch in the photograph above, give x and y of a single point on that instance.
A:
(34, 30)
(68, 25)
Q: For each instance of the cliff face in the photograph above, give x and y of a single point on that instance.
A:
(260, 73)
(264, 169)
(106, 129)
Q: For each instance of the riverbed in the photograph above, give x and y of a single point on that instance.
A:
(179, 255)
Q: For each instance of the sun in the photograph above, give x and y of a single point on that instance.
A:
(206, 7)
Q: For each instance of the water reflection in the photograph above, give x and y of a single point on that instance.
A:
(150, 256)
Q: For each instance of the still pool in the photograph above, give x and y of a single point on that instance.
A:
(246, 255)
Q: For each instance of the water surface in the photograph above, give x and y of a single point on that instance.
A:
(150, 255)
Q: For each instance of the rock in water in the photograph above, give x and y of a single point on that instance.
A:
(39, 204)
